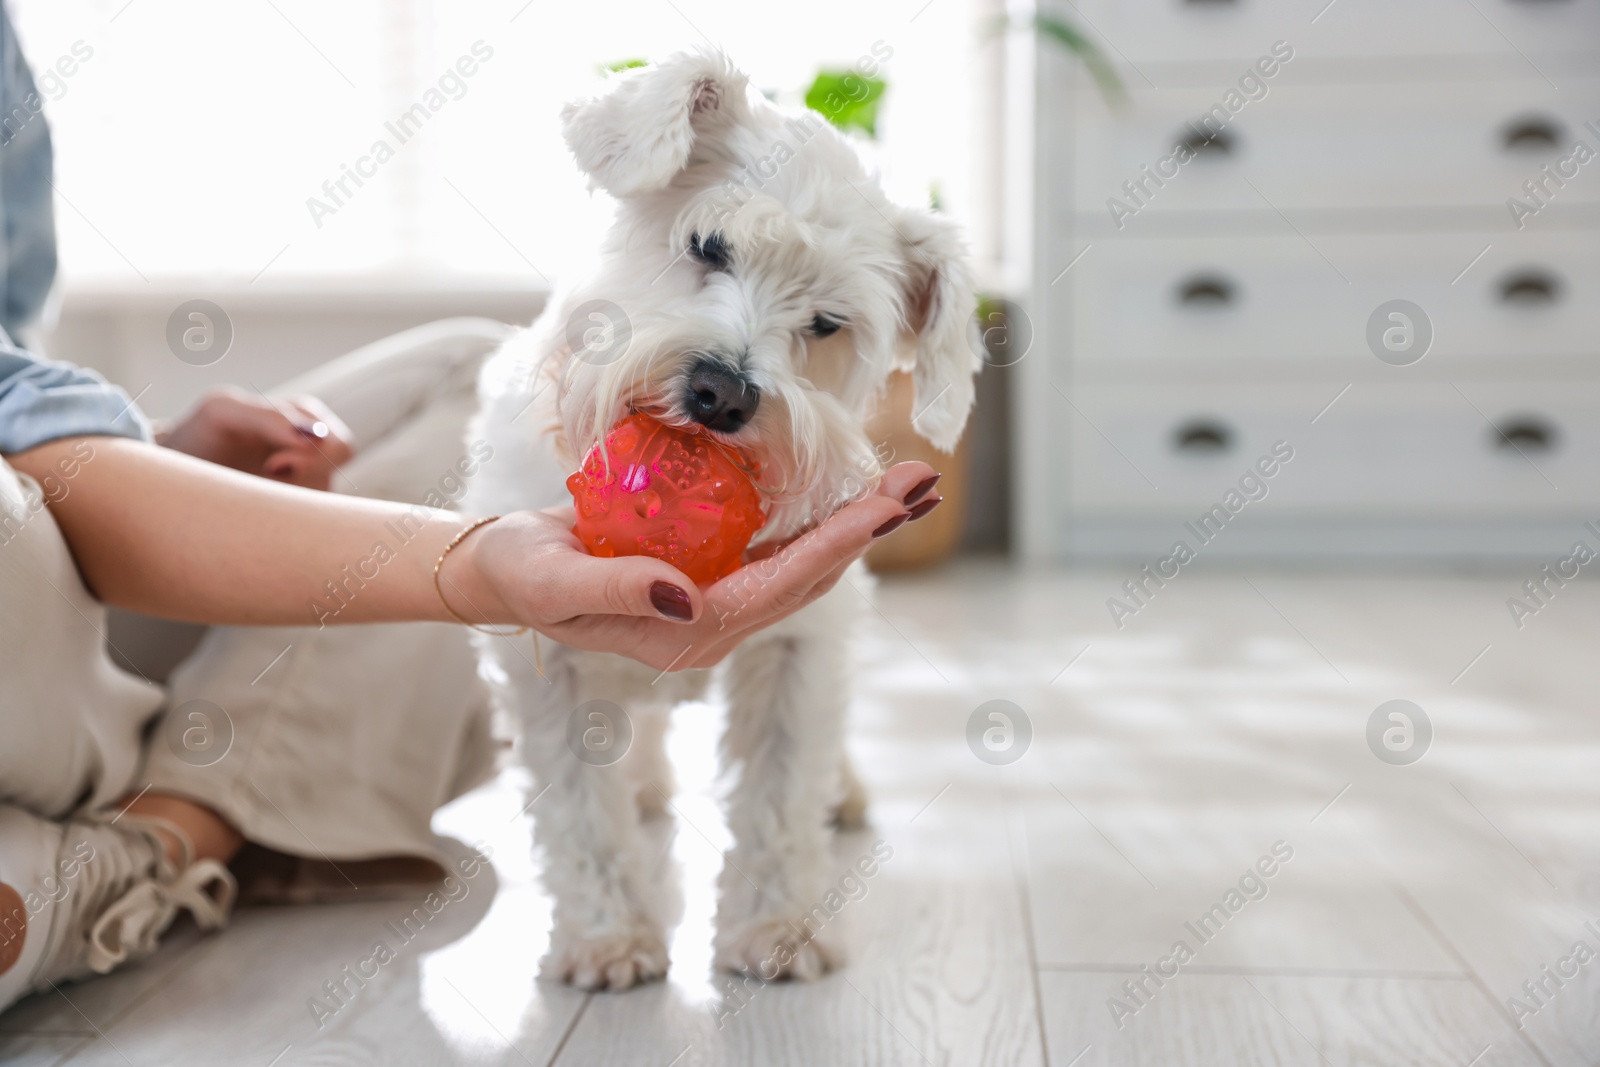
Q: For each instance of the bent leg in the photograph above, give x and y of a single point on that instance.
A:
(337, 744)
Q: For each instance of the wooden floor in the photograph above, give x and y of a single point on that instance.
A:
(1167, 759)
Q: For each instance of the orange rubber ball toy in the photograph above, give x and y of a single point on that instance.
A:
(679, 496)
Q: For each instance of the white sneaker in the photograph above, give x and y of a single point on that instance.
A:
(82, 897)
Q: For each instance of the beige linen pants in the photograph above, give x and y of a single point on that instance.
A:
(335, 743)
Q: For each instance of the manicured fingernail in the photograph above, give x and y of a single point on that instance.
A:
(891, 526)
(922, 489)
(924, 507)
(672, 602)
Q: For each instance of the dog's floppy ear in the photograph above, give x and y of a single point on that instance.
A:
(634, 137)
(941, 351)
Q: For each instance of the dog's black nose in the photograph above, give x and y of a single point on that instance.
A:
(720, 399)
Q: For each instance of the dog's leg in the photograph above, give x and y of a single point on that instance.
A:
(651, 771)
(787, 696)
(585, 824)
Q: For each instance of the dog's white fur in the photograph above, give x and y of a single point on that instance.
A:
(687, 148)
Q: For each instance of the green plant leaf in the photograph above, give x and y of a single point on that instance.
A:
(1071, 39)
(847, 99)
(1056, 29)
(621, 64)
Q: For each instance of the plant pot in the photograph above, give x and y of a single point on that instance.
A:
(935, 537)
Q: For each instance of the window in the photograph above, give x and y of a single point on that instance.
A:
(207, 141)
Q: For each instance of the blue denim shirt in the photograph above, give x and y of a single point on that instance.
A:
(27, 206)
(39, 401)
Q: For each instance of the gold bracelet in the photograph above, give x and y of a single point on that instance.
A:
(438, 588)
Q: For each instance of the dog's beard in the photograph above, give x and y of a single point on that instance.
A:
(811, 451)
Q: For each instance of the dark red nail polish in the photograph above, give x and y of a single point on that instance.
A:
(891, 526)
(922, 489)
(673, 603)
(923, 508)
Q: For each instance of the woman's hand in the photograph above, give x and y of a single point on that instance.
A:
(530, 567)
(296, 440)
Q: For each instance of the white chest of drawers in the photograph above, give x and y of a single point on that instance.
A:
(1225, 307)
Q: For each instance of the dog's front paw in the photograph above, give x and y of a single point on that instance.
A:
(615, 962)
(775, 950)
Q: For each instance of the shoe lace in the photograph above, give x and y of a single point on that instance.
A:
(132, 924)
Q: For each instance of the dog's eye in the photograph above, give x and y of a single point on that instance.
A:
(822, 326)
(712, 250)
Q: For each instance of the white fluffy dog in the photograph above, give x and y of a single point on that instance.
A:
(755, 282)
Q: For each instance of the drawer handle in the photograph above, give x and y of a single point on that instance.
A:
(1206, 290)
(1203, 437)
(1532, 134)
(1205, 144)
(1530, 287)
(1526, 434)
